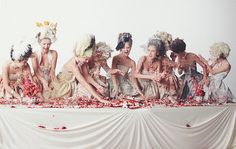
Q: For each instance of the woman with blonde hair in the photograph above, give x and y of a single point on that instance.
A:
(218, 67)
(74, 80)
(44, 61)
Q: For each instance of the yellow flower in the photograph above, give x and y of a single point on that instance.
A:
(38, 24)
(46, 23)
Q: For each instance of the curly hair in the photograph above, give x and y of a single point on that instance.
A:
(219, 49)
(122, 39)
(158, 44)
(178, 46)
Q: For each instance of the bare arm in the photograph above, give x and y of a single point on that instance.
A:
(37, 72)
(137, 73)
(114, 76)
(54, 63)
(133, 79)
(204, 67)
(84, 83)
(89, 79)
(224, 67)
(6, 82)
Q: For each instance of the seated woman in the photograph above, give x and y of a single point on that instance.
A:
(219, 68)
(187, 64)
(149, 69)
(98, 60)
(169, 85)
(44, 61)
(124, 84)
(16, 73)
(74, 80)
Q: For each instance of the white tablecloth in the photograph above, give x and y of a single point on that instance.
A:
(208, 127)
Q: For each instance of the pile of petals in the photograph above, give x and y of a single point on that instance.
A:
(125, 102)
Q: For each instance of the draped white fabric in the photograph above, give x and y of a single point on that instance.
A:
(109, 128)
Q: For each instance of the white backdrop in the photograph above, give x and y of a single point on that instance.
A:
(199, 22)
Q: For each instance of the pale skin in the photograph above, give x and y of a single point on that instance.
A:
(83, 76)
(145, 62)
(225, 65)
(45, 45)
(15, 67)
(124, 59)
(102, 62)
(185, 60)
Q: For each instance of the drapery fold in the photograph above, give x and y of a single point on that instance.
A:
(211, 127)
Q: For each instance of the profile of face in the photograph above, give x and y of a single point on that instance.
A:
(45, 43)
(21, 63)
(152, 51)
(126, 49)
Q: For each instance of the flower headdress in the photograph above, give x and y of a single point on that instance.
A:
(219, 49)
(84, 47)
(46, 30)
(104, 49)
(166, 38)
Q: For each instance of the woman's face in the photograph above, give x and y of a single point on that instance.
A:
(152, 52)
(22, 63)
(126, 50)
(45, 44)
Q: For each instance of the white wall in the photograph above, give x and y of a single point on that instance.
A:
(199, 22)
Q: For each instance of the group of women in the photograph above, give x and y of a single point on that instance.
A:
(153, 77)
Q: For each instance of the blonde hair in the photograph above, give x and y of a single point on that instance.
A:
(84, 44)
(166, 38)
(219, 49)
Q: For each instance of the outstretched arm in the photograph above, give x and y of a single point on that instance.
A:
(224, 67)
(204, 67)
(137, 73)
(90, 80)
(84, 83)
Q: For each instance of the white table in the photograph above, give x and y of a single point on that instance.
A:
(205, 127)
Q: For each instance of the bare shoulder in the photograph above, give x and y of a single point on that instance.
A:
(132, 62)
(53, 52)
(142, 59)
(34, 55)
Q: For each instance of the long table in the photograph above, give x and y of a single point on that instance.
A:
(204, 127)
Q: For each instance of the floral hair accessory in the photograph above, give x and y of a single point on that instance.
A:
(46, 30)
(122, 39)
(104, 49)
(166, 38)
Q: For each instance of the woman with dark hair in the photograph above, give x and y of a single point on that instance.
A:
(187, 65)
(124, 84)
(149, 69)
(17, 71)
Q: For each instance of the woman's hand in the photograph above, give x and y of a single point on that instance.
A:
(116, 71)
